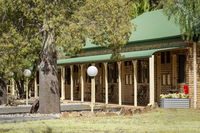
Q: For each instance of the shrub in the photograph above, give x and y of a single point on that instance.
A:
(174, 95)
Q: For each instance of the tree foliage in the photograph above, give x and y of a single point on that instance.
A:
(187, 14)
(106, 23)
(18, 49)
(141, 6)
(70, 20)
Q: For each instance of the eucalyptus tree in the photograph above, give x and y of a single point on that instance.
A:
(3, 91)
(17, 51)
(66, 23)
(186, 13)
(141, 6)
(106, 23)
(16, 54)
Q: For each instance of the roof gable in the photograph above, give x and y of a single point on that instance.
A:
(149, 26)
(153, 25)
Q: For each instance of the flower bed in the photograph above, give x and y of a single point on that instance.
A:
(175, 100)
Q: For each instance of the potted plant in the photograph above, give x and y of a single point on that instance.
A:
(174, 100)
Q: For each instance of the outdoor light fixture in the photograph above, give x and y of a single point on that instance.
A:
(10, 74)
(92, 72)
(27, 73)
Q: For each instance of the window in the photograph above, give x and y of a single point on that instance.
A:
(163, 79)
(128, 72)
(181, 68)
(165, 57)
(166, 79)
(128, 79)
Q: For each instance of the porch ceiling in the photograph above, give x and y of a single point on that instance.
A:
(106, 57)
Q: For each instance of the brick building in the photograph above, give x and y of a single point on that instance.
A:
(156, 61)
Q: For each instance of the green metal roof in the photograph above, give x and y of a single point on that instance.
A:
(106, 57)
(153, 25)
(149, 26)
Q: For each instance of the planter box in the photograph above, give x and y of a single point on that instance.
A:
(174, 103)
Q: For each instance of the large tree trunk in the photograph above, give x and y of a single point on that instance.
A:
(48, 81)
(3, 92)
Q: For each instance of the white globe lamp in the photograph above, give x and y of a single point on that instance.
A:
(92, 71)
(27, 73)
(10, 74)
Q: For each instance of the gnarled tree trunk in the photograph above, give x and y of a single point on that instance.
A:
(48, 81)
(3, 92)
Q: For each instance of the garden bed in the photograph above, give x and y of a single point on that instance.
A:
(175, 103)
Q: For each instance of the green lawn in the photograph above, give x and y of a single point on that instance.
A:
(156, 121)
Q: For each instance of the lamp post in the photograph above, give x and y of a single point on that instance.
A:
(10, 74)
(12, 84)
(92, 72)
(27, 73)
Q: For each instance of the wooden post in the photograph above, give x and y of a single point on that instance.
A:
(195, 73)
(106, 81)
(92, 93)
(13, 87)
(135, 81)
(62, 83)
(82, 83)
(35, 87)
(72, 84)
(174, 72)
(26, 85)
(151, 80)
(94, 90)
(119, 83)
(158, 77)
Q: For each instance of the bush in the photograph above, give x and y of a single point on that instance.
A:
(174, 95)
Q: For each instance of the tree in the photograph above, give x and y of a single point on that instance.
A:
(106, 23)
(141, 6)
(186, 13)
(67, 23)
(3, 91)
(16, 55)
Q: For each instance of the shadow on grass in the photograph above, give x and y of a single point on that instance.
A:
(47, 130)
(4, 130)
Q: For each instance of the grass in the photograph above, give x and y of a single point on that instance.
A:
(156, 121)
